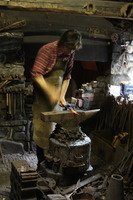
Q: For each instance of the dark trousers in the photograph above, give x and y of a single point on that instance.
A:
(40, 155)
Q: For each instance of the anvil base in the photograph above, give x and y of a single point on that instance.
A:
(62, 179)
(67, 161)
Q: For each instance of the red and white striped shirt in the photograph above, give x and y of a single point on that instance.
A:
(46, 59)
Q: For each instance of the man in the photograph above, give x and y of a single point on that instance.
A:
(51, 74)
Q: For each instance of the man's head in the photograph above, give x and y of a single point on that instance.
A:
(71, 39)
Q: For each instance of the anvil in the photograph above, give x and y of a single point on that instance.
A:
(68, 144)
(67, 119)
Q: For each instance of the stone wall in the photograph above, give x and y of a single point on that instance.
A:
(15, 136)
(122, 63)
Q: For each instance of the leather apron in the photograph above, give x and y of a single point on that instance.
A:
(42, 130)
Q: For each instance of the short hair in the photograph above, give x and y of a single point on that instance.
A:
(71, 39)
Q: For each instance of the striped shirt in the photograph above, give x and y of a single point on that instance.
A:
(46, 59)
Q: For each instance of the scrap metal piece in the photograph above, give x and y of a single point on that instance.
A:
(55, 197)
(44, 184)
(82, 184)
(50, 182)
(68, 196)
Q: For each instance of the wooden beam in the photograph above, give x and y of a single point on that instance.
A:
(101, 8)
(46, 24)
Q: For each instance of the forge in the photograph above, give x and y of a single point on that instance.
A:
(69, 152)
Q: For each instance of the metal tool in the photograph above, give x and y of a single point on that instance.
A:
(70, 107)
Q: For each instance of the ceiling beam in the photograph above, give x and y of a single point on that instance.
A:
(98, 8)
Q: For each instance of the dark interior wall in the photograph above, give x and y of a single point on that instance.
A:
(94, 51)
(86, 74)
(30, 54)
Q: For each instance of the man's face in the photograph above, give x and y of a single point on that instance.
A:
(66, 50)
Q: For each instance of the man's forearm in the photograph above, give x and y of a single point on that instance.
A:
(64, 88)
(51, 91)
(40, 81)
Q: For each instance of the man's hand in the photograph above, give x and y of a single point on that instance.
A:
(62, 101)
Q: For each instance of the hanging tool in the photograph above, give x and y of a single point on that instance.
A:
(4, 83)
(117, 139)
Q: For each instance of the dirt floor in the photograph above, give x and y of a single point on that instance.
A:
(5, 169)
(99, 166)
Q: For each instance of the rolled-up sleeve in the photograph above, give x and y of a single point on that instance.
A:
(41, 62)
